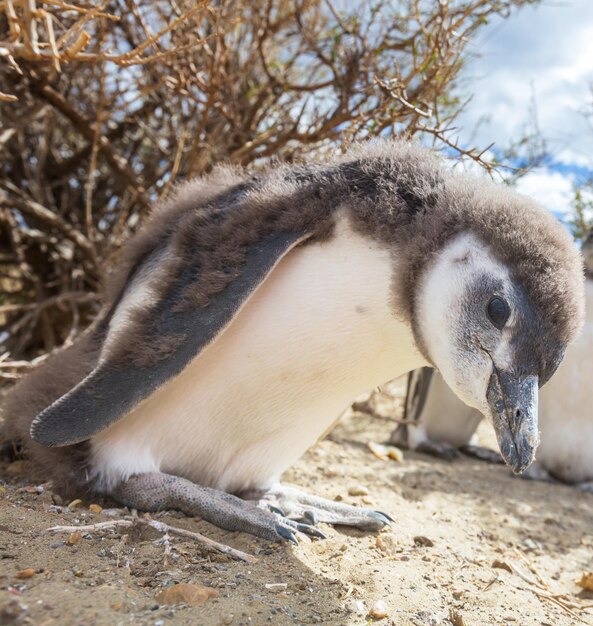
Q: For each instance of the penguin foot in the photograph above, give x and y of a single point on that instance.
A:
(439, 449)
(156, 491)
(308, 509)
(585, 486)
(482, 454)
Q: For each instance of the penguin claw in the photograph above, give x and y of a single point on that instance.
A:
(381, 514)
(307, 529)
(277, 510)
(286, 533)
(311, 517)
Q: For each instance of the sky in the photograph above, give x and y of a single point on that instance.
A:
(541, 54)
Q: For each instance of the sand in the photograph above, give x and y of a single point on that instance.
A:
(470, 544)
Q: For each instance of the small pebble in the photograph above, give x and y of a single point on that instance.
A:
(95, 508)
(387, 543)
(422, 541)
(25, 573)
(359, 606)
(74, 538)
(186, 593)
(358, 490)
(379, 610)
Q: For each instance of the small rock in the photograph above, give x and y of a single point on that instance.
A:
(387, 543)
(74, 538)
(395, 454)
(186, 593)
(423, 542)
(29, 572)
(228, 619)
(379, 610)
(95, 508)
(586, 581)
(359, 606)
(386, 452)
(358, 490)
(379, 450)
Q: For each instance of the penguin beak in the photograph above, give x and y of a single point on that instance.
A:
(513, 405)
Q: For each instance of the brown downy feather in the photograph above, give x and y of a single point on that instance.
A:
(67, 467)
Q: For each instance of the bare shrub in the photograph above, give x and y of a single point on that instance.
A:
(106, 106)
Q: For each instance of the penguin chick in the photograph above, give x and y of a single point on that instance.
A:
(251, 310)
(444, 424)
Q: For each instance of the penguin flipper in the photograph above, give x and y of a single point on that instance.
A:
(121, 381)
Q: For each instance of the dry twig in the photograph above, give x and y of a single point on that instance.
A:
(128, 522)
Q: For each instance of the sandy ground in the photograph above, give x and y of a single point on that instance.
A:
(470, 545)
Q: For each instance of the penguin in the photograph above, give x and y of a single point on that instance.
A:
(445, 425)
(251, 309)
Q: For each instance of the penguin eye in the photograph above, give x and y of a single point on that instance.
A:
(498, 311)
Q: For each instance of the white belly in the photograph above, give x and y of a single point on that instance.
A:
(566, 410)
(317, 333)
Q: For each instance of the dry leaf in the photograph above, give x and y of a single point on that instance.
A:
(502, 565)
(186, 593)
(456, 618)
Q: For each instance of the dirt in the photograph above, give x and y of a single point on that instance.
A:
(470, 544)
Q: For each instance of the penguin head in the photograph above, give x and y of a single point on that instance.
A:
(494, 347)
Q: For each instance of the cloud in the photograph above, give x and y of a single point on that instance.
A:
(552, 190)
(542, 53)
